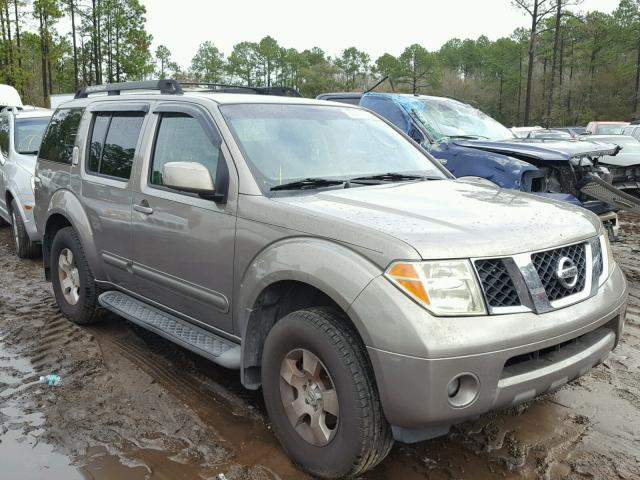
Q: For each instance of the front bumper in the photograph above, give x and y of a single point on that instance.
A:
(513, 358)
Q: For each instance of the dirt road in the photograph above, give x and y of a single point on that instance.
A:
(134, 406)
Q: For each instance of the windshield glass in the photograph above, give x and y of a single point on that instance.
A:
(285, 143)
(444, 117)
(28, 134)
(611, 129)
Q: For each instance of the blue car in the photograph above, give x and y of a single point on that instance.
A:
(475, 146)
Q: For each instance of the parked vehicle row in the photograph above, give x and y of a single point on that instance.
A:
(332, 260)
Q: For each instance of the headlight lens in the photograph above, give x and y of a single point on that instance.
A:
(444, 287)
(608, 262)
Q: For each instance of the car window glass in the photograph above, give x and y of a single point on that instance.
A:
(28, 133)
(4, 136)
(60, 137)
(181, 138)
(99, 131)
(112, 155)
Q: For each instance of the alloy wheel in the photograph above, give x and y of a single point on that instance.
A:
(69, 277)
(309, 397)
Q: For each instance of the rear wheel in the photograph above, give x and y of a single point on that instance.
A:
(25, 248)
(321, 396)
(73, 284)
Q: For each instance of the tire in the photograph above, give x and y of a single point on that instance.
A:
(360, 437)
(85, 310)
(25, 248)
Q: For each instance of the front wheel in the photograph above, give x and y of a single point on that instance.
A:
(25, 248)
(321, 396)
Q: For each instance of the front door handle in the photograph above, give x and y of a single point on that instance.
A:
(143, 207)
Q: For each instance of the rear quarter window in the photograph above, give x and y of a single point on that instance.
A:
(60, 137)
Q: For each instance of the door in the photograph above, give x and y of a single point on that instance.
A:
(183, 244)
(110, 151)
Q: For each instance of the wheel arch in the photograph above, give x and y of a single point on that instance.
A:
(65, 210)
(270, 289)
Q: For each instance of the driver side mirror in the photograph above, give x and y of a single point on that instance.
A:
(188, 177)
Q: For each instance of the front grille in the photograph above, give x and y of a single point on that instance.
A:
(499, 290)
(546, 264)
(625, 174)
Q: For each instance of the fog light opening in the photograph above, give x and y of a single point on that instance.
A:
(463, 389)
(453, 388)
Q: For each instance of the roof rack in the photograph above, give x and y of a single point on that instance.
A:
(224, 88)
(168, 87)
(172, 87)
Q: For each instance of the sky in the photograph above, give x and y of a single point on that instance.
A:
(333, 25)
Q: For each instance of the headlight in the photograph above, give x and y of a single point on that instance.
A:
(444, 287)
(608, 262)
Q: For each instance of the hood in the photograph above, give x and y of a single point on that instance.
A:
(621, 160)
(448, 218)
(545, 150)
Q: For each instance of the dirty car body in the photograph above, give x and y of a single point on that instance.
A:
(20, 137)
(457, 297)
(472, 144)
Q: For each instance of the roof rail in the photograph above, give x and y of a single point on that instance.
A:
(168, 86)
(224, 88)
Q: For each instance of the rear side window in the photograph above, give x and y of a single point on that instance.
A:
(4, 136)
(114, 137)
(60, 137)
(181, 138)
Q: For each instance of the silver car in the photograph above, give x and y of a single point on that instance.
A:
(20, 136)
(332, 261)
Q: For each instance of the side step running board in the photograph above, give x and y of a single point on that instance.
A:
(217, 349)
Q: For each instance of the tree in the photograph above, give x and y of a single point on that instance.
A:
(628, 16)
(418, 68)
(387, 66)
(208, 63)
(243, 62)
(163, 57)
(352, 62)
(537, 10)
(269, 53)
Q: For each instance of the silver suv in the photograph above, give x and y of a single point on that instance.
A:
(332, 261)
(20, 136)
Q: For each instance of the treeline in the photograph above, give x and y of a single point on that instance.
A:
(566, 68)
(107, 42)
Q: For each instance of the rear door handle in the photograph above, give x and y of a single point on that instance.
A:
(143, 207)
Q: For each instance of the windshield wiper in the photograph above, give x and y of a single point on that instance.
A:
(307, 183)
(390, 177)
(33, 152)
(468, 137)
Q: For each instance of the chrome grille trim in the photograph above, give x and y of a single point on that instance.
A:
(531, 291)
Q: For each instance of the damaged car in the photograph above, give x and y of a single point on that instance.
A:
(472, 144)
(624, 168)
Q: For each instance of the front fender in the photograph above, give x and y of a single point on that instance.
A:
(502, 170)
(64, 202)
(331, 267)
(22, 199)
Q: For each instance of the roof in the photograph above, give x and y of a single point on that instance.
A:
(219, 98)
(35, 113)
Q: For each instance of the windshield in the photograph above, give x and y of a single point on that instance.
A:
(285, 143)
(444, 117)
(28, 134)
(610, 129)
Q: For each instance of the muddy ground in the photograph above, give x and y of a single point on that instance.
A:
(134, 406)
